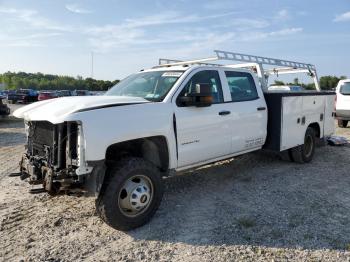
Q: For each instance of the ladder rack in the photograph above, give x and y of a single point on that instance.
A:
(224, 55)
(251, 61)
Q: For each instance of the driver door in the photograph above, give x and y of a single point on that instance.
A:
(203, 133)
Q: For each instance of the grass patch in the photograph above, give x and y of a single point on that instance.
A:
(276, 234)
(246, 179)
(347, 247)
(295, 220)
(246, 222)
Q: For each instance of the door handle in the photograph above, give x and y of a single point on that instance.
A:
(261, 108)
(224, 113)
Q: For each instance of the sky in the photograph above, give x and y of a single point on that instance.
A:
(58, 37)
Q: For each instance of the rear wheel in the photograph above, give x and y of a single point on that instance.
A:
(132, 194)
(286, 155)
(304, 153)
(342, 123)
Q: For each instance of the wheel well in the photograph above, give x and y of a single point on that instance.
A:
(153, 149)
(316, 128)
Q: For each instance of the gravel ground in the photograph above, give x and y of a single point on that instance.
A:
(254, 208)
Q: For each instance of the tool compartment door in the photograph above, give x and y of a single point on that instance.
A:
(292, 131)
(328, 127)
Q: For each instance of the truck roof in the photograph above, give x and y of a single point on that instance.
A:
(184, 68)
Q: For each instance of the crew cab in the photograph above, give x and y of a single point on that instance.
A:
(173, 117)
(342, 106)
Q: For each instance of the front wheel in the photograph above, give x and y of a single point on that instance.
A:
(131, 195)
(342, 123)
(304, 153)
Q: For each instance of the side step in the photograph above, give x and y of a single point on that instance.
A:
(14, 174)
(37, 191)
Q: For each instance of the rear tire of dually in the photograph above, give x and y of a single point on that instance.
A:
(304, 153)
(343, 123)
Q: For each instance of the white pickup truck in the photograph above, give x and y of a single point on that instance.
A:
(157, 122)
(342, 106)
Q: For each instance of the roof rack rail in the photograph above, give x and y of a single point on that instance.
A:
(231, 56)
(224, 55)
(283, 66)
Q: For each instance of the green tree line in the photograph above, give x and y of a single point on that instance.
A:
(41, 81)
(326, 83)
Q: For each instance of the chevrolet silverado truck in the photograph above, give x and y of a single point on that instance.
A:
(176, 116)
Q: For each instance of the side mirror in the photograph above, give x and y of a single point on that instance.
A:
(202, 97)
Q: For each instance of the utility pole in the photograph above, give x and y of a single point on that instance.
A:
(92, 64)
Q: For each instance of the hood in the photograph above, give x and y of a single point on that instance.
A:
(55, 110)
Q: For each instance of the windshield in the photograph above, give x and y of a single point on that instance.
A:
(345, 88)
(152, 86)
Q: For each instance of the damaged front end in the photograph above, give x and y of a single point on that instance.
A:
(54, 156)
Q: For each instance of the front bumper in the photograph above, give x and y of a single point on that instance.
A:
(342, 114)
(36, 172)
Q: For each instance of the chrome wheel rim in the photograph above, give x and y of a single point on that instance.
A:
(135, 195)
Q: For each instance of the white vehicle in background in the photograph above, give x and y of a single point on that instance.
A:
(342, 106)
(290, 88)
(176, 116)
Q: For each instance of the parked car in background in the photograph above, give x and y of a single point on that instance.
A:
(47, 95)
(342, 105)
(23, 95)
(10, 95)
(3, 95)
(4, 109)
(62, 93)
(81, 93)
(286, 88)
(100, 93)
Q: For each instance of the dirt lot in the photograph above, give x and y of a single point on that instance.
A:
(254, 208)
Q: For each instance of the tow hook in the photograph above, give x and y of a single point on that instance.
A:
(49, 185)
(24, 176)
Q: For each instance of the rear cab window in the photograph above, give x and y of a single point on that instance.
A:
(242, 86)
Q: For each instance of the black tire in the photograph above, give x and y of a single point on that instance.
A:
(342, 123)
(286, 155)
(107, 204)
(304, 153)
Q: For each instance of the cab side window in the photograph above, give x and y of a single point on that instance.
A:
(242, 86)
(210, 77)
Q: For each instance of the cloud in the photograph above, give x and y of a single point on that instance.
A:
(169, 18)
(287, 31)
(217, 5)
(136, 31)
(75, 8)
(32, 18)
(243, 24)
(264, 35)
(29, 40)
(342, 17)
(302, 13)
(282, 15)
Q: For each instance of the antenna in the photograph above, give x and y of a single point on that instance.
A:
(92, 64)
